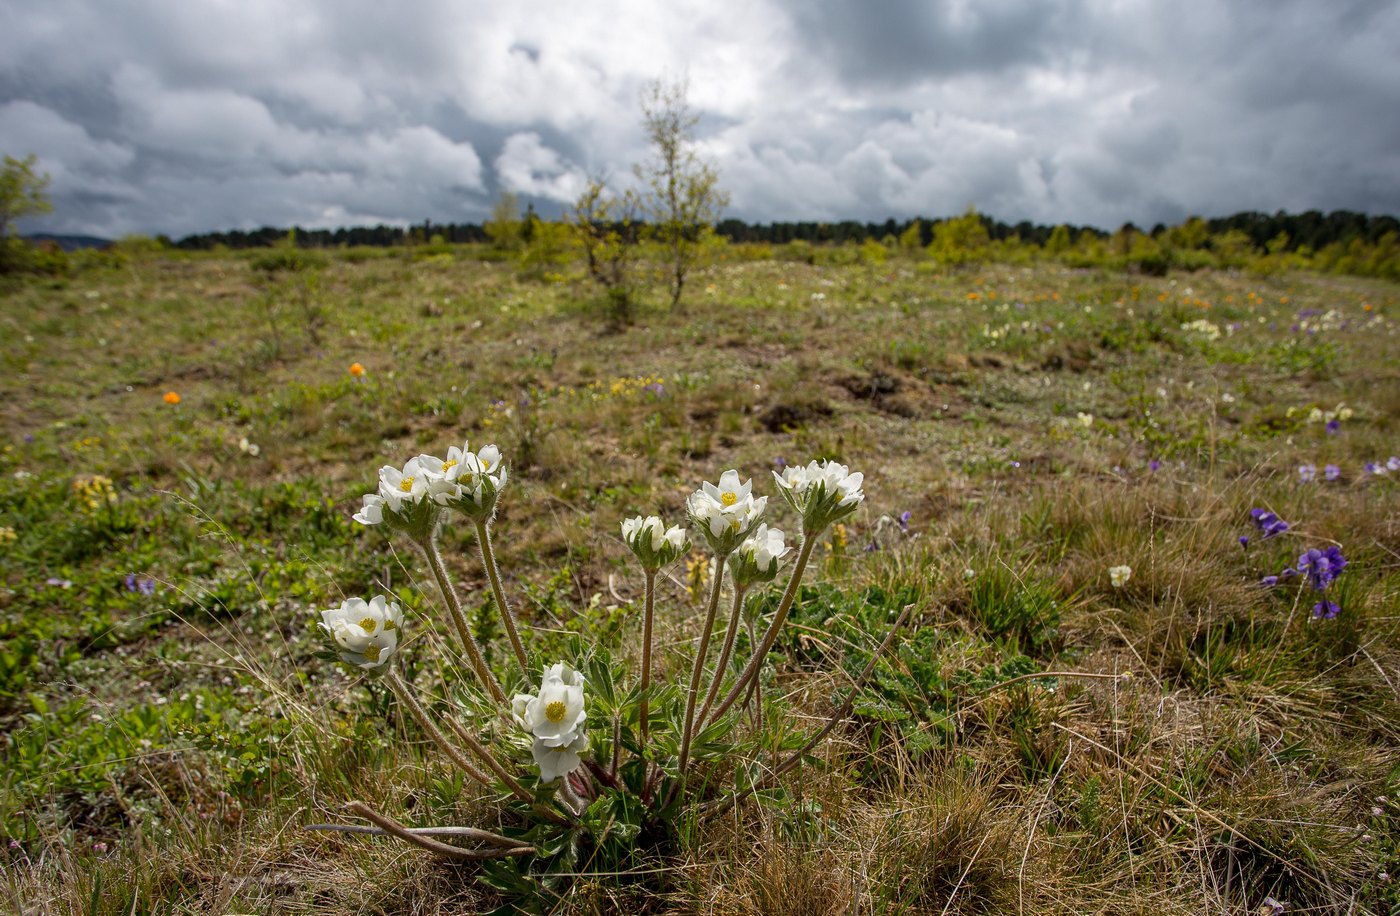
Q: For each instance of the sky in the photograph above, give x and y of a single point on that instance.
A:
(185, 116)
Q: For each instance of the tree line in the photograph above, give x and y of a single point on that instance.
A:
(1311, 230)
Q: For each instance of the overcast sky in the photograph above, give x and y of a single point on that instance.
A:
(181, 116)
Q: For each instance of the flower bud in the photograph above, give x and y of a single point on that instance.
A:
(756, 559)
(654, 544)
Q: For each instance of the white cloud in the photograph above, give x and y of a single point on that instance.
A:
(527, 166)
(1096, 111)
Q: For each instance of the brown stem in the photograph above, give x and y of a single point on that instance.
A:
(405, 695)
(505, 846)
(454, 607)
(420, 715)
(488, 560)
(646, 652)
(725, 652)
(698, 669)
(760, 651)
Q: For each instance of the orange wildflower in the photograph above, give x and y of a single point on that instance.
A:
(172, 397)
(357, 370)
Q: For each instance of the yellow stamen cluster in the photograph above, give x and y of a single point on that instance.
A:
(554, 712)
(406, 484)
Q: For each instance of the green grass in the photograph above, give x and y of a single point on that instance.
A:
(161, 752)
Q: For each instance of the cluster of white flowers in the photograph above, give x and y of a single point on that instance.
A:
(822, 492)
(555, 718)
(401, 501)
(654, 544)
(1207, 329)
(410, 498)
(756, 560)
(466, 481)
(366, 633)
(727, 513)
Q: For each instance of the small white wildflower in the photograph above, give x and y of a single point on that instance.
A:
(1119, 575)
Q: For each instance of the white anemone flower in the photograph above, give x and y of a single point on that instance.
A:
(366, 633)
(401, 501)
(557, 713)
(823, 492)
(1119, 575)
(518, 705)
(654, 544)
(766, 546)
(372, 512)
(399, 487)
(725, 514)
(757, 558)
(565, 673)
(467, 481)
(559, 760)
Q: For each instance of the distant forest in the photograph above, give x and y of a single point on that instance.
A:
(1312, 230)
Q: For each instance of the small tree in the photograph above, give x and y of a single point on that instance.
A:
(683, 200)
(22, 193)
(960, 240)
(607, 230)
(505, 229)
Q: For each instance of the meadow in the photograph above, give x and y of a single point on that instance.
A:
(186, 437)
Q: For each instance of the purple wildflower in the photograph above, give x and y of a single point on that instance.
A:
(1269, 581)
(1307, 473)
(780, 462)
(1322, 566)
(1244, 541)
(904, 519)
(1288, 573)
(1268, 522)
(1334, 426)
(1326, 610)
(1154, 465)
(58, 583)
(1331, 472)
(1393, 463)
(1372, 467)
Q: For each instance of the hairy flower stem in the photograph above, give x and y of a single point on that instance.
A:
(760, 652)
(646, 651)
(405, 694)
(449, 594)
(699, 668)
(725, 652)
(420, 715)
(488, 560)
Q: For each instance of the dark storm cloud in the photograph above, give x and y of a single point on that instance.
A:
(161, 116)
(898, 41)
